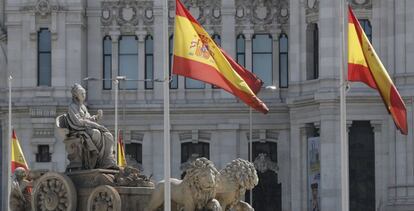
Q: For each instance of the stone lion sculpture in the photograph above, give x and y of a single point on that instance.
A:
(237, 177)
(196, 191)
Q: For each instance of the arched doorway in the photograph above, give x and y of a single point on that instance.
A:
(267, 195)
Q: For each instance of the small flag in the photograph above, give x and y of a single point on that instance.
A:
(198, 57)
(365, 66)
(121, 152)
(17, 156)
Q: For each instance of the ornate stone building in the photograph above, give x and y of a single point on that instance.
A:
(47, 45)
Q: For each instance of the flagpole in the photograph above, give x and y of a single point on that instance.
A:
(343, 128)
(167, 169)
(8, 153)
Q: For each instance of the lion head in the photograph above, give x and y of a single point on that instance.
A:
(243, 173)
(201, 176)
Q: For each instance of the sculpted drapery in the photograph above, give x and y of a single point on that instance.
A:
(97, 140)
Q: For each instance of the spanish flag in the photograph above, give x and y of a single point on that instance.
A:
(121, 152)
(365, 66)
(17, 157)
(197, 56)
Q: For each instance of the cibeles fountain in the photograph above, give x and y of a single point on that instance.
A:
(93, 181)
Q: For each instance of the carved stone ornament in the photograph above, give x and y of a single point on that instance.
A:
(262, 163)
(361, 4)
(54, 191)
(129, 15)
(263, 15)
(206, 12)
(42, 7)
(104, 198)
(312, 11)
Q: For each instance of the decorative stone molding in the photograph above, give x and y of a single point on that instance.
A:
(43, 132)
(262, 163)
(195, 136)
(42, 112)
(128, 15)
(312, 11)
(263, 135)
(43, 7)
(207, 12)
(263, 15)
(361, 4)
(137, 136)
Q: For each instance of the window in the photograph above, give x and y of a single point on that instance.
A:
(262, 57)
(217, 39)
(240, 50)
(43, 154)
(44, 62)
(107, 62)
(134, 150)
(190, 149)
(149, 62)
(312, 49)
(174, 78)
(366, 25)
(283, 61)
(128, 61)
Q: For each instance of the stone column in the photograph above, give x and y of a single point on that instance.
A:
(295, 40)
(228, 35)
(297, 135)
(283, 157)
(381, 164)
(409, 43)
(141, 61)
(248, 44)
(276, 69)
(228, 144)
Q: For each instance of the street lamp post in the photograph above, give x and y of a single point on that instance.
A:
(272, 88)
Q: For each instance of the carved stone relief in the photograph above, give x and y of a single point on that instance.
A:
(195, 136)
(262, 15)
(312, 11)
(128, 15)
(207, 12)
(262, 163)
(43, 7)
(361, 4)
(263, 135)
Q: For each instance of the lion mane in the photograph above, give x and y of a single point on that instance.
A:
(194, 172)
(241, 172)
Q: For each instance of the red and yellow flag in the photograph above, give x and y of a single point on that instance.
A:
(17, 157)
(121, 151)
(197, 56)
(365, 66)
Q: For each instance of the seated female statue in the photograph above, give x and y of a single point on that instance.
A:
(97, 140)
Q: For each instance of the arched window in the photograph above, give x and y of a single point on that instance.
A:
(312, 49)
(44, 58)
(107, 62)
(149, 62)
(174, 78)
(366, 25)
(128, 61)
(217, 39)
(262, 57)
(283, 61)
(241, 50)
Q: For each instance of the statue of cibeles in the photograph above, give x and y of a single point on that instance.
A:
(97, 143)
(20, 194)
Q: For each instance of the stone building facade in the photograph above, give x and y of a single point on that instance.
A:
(48, 45)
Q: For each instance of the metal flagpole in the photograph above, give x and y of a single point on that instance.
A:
(116, 82)
(8, 153)
(167, 169)
(342, 108)
(251, 148)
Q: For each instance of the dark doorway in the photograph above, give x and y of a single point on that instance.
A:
(361, 167)
(267, 195)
